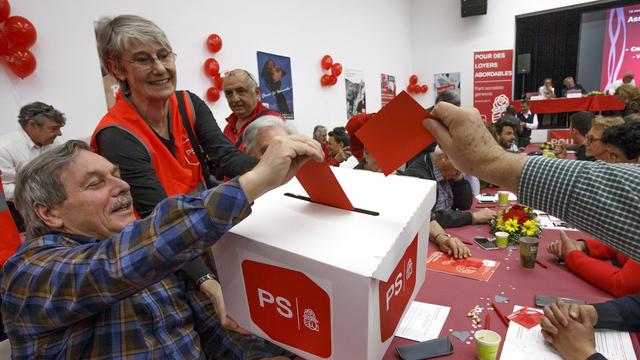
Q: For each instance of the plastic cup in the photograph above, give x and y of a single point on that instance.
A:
(502, 239)
(528, 252)
(503, 198)
(487, 343)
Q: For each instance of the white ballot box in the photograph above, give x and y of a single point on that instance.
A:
(327, 283)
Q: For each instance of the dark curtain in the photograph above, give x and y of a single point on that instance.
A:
(552, 40)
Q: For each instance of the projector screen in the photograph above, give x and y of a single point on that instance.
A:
(609, 46)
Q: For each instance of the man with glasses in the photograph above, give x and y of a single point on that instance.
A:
(41, 125)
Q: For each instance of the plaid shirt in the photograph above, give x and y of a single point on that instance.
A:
(66, 296)
(444, 200)
(599, 198)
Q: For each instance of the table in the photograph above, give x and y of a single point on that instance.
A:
(511, 280)
(560, 105)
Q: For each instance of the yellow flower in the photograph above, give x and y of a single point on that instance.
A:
(531, 227)
(511, 225)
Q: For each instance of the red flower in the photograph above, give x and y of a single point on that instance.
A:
(516, 212)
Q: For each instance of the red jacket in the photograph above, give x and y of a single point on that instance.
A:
(10, 236)
(236, 136)
(595, 269)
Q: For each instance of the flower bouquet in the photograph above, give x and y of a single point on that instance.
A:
(517, 221)
(547, 146)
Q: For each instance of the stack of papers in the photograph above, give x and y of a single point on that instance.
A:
(547, 221)
(524, 344)
(423, 321)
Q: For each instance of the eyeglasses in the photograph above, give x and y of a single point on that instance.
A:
(592, 139)
(146, 61)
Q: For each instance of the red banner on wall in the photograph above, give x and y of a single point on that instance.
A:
(492, 83)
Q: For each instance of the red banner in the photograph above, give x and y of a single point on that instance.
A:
(492, 83)
(556, 135)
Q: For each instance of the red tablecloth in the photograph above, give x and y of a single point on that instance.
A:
(511, 280)
(588, 103)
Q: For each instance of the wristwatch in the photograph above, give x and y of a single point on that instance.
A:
(447, 235)
(204, 278)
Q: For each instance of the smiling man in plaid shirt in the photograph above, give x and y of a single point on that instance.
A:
(93, 283)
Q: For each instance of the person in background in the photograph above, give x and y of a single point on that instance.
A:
(630, 96)
(570, 84)
(528, 122)
(338, 145)
(151, 137)
(243, 96)
(627, 79)
(623, 143)
(594, 145)
(506, 135)
(454, 195)
(580, 124)
(546, 90)
(632, 118)
(40, 126)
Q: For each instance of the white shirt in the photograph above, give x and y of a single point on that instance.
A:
(616, 84)
(542, 91)
(17, 149)
(534, 124)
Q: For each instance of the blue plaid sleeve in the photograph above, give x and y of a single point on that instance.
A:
(598, 198)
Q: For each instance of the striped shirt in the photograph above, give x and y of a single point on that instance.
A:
(69, 296)
(598, 198)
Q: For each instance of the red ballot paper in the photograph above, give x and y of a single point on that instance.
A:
(471, 268)
(527, 317)
(321, 184)
(395, 134)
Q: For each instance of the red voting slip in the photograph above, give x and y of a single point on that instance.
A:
(471, 268)
(527, 317)
(321, 184)
(395, 133)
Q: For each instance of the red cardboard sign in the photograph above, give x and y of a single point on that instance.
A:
(289, 307)
(321, 184)
(471, 268)
(395, 133)
(394, 294)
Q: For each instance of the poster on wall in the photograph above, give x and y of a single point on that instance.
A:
(492, 83)
(109, 83)
(387, 88)
(276, 85)
(621, 45)
(446, 81)
(355, 93)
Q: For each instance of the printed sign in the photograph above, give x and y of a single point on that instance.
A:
(492, 83)
(289, 307)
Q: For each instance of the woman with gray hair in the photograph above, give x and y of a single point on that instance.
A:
(161, 139)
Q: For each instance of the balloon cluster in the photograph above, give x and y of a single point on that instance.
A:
(212, 68)
(16, 37)
(414, 88)
(335, 69)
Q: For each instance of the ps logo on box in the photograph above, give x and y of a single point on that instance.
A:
(394, 295)
(289, 307)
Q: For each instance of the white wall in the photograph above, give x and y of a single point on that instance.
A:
(444, 42)
(371, 35)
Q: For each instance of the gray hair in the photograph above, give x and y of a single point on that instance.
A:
(39, 182)
(114, 35)
(252, 130)
(318, 128)
(39, 112)
(251, 81)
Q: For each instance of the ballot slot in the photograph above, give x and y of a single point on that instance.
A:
(355, 209)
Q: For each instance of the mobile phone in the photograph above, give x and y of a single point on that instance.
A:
(485, 243)
(426, 349)
(486, 201)
(544, 300)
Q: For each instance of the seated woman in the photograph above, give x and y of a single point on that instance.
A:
(623, 143)
(590, 260)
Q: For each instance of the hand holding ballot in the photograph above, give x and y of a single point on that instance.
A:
(280, 162)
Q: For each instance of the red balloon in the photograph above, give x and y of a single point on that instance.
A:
(423, 88)
(211, 67)
(413, 79)
(214, 43)
(5, 10)
(4, 44)
(325, 80)
(409, 89)
(217, 81)
(21, 62)
(326, 62)
(333, 79)
(213, 94)
(336, 69)
(20, 31)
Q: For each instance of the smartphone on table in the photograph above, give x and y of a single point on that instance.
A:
(544, 300)
(485, 243)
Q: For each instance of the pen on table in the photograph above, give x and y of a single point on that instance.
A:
(502, 317)
(541, 264)
(487, 321)
(466, 242)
